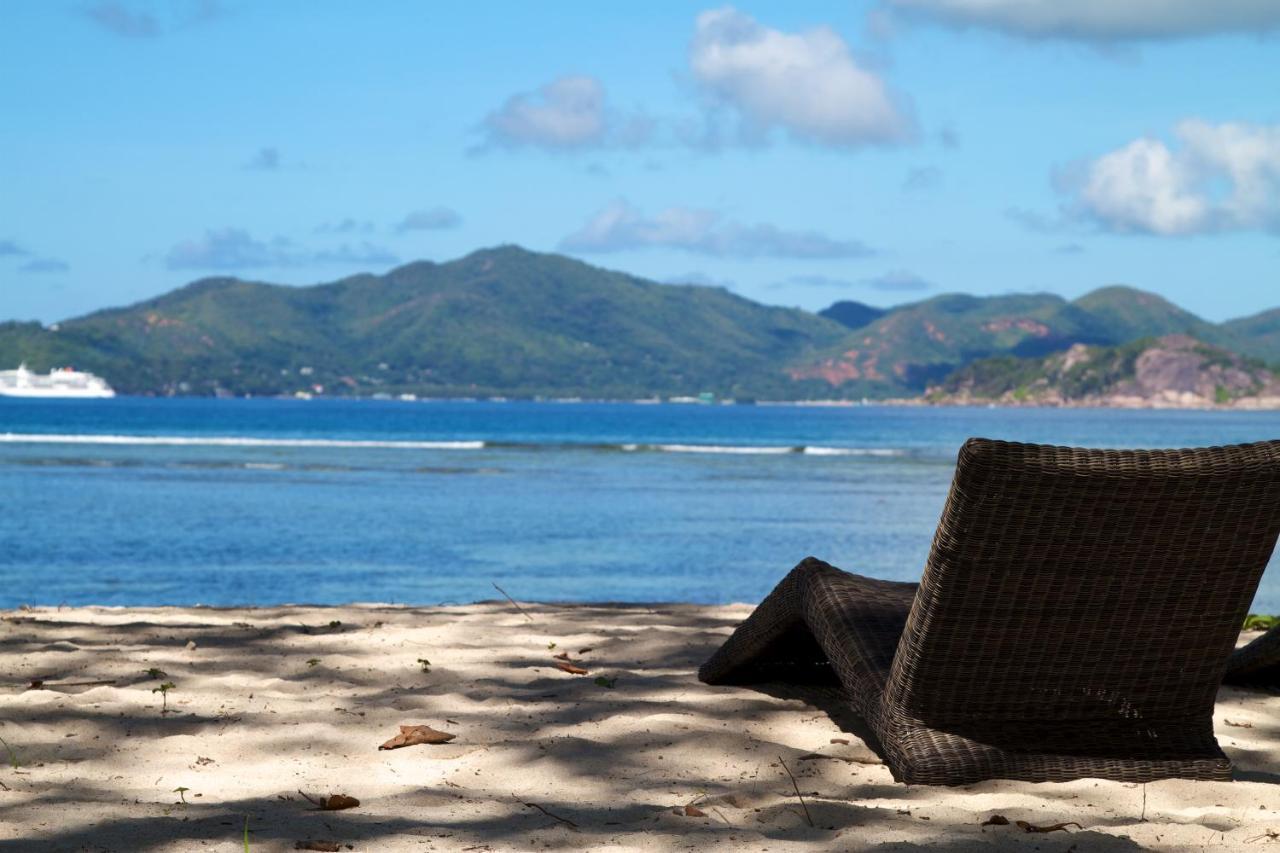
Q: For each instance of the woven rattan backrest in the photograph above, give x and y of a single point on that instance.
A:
(1081, 584)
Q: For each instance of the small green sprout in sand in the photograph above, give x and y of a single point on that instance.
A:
(163, 690)
(601, 681)
(336, 623)
(13, 756)
(313, 662)
(550, 646)
(246, 834)
(425, 664)
(155, 673)
(181, 791)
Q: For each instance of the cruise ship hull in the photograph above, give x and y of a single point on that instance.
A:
(57, 384)
(59, 393)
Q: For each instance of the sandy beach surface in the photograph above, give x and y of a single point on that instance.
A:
(635, 754)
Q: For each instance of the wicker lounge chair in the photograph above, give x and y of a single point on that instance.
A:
(1074, 618)
(1258, 663)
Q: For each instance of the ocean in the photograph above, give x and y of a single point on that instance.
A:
(220, 502)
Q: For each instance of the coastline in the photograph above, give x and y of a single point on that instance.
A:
(267, 702)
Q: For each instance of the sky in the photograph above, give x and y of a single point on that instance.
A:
(795, 153)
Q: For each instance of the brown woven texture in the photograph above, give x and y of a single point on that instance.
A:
(1074, 619)
(1258, 663)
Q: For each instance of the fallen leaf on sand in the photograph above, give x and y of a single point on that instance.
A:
(843, 740)
(326, 846)
(570, 668)
(1049, 827)
(333, 802)
(414, 735)
(584, 651)
(996, 820)
(561, 656)
(694, 811)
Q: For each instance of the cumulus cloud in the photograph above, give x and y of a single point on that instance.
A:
(44, 265)
(620, 226)
(434, 219)
(1101, 20)
(806, 83)
(10, 248)
(900, 281)
(265, 160)
(568, 113)
(1222, 177)
(237, 249)
(129, 21)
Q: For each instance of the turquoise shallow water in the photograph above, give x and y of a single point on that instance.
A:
(140, 501)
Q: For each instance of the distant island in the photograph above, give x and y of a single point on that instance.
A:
(507, 322)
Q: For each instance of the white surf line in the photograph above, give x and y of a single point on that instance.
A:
(231, 441)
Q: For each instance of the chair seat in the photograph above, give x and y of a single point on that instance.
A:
(821, 625)
(1256, 664)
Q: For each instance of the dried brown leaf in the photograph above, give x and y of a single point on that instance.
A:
(694, 811)
(570, 668)
(414, 735)
(996, 820)
(325, 846)
(561, 656)
(331, 803)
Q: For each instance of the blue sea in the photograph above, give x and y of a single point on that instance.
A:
(200, 501)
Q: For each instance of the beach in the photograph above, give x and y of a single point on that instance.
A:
(270, 711)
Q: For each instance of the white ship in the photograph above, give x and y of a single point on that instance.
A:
(63, 382)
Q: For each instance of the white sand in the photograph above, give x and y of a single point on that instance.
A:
(254, 721)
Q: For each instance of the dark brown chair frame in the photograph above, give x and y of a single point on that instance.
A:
(1074, 619)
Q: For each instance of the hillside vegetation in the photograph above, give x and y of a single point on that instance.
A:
(510, 322)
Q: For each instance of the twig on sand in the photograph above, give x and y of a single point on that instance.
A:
(551, 815)
(807, 816)
(513, 601)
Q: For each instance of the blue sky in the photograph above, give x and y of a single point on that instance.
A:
(796, 153)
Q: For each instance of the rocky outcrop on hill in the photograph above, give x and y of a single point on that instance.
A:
(1175, 371)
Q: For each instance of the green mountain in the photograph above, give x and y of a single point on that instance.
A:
(852, 315)
(1257, 336)
(500, 321)
(914, 345)
(508, 322)
(1174, 370)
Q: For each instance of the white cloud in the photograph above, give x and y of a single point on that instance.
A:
(807, 83)
(619, 227)
(236, 249)
(435, 219)
(1102, 20)
(901, 281)
(568, 113)
(1220, 178)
